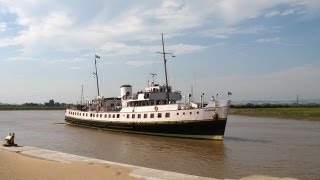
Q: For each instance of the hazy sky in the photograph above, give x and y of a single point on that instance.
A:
(257, 49)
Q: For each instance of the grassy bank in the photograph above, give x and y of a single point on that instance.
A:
(292, 112)
(24, 107)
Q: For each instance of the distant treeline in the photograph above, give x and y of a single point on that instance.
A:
(51, 105)
(267, 105)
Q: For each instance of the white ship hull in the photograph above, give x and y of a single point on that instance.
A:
(203, 123)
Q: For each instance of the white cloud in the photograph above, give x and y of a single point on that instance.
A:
(272, 13)
(227, 32)
(51, 27)
(75, 68)
(288, 12)
(185, 48)
(268, 40)
(139, 63)
(3, 26)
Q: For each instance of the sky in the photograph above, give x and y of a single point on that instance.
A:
(258, 50)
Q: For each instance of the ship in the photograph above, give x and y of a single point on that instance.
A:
(158, 110)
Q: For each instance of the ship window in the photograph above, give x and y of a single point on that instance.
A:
(113, 116)
(133, 116)
(197, 112)
(128, 116)
(87, 114)
(151, 115)
(190, 112)
(109, 115)
(139, 115)
(159, 115)
(184, 113)
(118, 115)
(105, 116)
(177, 113)
(90, 114)
(167, 115)
(145, 115)
(101, 115)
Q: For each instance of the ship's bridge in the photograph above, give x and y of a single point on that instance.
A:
(153, 95)
(157, 88)
(157, 92)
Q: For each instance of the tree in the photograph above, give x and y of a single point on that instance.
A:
(51, 102)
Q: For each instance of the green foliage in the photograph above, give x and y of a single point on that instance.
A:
(268, 105)
(312, 113)
(28, 107)
(51, 105)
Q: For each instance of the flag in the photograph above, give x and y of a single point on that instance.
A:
(97, 56)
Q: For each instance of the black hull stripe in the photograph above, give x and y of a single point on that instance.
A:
(205, 129)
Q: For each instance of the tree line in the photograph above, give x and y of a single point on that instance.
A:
(269, 105)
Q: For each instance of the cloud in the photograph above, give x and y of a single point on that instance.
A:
(139, 63)
(268, 40)
(227, 32)
(272, 13)
(75, 28)
(288, 12)
(185, 48)
(75, 68)
(3, 26)
(283, 13)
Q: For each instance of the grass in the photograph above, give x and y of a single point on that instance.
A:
(292, 113)
(24, 107)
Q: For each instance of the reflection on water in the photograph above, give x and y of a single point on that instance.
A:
(266, 146)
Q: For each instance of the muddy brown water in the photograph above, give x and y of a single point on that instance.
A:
(252, 146)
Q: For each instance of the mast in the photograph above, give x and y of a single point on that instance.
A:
(153, 74)
(96, 73)
(165, 67)
(81, 100)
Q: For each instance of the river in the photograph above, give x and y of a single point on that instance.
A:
(252, 146)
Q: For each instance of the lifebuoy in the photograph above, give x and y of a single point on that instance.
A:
(215, 116)
(156, 108)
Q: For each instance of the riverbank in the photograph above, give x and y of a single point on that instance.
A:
(301, 113)
(25, 107)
